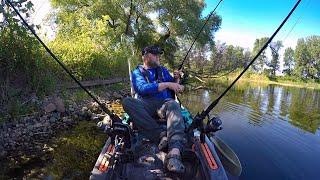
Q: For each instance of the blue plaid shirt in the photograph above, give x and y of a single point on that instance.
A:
(146, 89)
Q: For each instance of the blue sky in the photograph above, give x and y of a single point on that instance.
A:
(245, 20)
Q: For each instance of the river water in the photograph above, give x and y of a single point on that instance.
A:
(274, 130)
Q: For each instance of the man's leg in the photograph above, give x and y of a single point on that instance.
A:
(175, 124)
(176, 135)
(143, 113)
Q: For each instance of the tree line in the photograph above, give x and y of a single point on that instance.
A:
(301, 63)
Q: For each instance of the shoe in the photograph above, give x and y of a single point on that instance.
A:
(174, 164)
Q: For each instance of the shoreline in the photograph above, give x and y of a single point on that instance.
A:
(262, 79)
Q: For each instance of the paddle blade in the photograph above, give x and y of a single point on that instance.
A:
(229, 159)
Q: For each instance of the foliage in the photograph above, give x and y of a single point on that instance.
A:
(113, 28)
(261, 60)
(274, 64)
(21, 60)
(288, 61)
(228, 57)
(307, 58)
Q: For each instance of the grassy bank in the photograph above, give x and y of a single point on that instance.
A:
(263, 79)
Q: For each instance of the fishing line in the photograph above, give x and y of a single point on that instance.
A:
(199, 117)
(112, 115)
(185, 57)
(297, 21)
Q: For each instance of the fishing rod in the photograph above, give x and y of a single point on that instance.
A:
(113, 116)
(185, 57)
(198, 119)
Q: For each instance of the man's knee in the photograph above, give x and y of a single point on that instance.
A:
(172, 104)
(127, 102)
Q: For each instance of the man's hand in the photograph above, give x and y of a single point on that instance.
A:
(176, 87)
(177, 74)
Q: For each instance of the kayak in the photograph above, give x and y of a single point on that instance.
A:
(141, 159)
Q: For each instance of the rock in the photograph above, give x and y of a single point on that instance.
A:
(84, 109)
(29, 127)
(49, 178)
(47, 124)
(56, 115)
(59, 104)
(3, 154)
(94, 107)
(107, 94)
(50, 108)
(116, 95)
(34, 98)
(71, 108)
(107, 120)
(52, 119)
(66, 120)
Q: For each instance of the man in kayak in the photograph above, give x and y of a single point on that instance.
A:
(155, 89)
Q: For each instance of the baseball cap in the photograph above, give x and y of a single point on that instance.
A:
(153, 49)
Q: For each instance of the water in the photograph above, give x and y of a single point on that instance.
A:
(274, 130)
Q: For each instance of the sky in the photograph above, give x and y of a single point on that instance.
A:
(245, 20)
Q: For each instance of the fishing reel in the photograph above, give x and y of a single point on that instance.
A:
(213, 125)
(117, 130)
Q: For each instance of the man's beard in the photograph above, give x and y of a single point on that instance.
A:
(153, 64)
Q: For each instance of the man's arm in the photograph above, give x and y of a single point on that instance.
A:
(141, 86)
(176, 87)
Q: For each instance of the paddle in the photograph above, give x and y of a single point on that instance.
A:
(229, 159)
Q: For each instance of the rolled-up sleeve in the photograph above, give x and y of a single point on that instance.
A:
(141, 86)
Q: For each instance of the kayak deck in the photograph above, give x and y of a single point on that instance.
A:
(148, 164)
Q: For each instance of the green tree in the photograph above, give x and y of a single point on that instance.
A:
(23, 65)
(217, 64)
(262, 59)
(274, 64)
(168, 23)
(288, 61)
(246, 58)
(313, 44)
(307, 60)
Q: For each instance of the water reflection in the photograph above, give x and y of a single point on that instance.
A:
(275, 130)
(301, 107)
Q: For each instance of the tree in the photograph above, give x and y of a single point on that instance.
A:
(313, 44)
(274, 64)
(9, 16)
(144, 22)
(307, 58)
(217, 63)
(288, 61)
(246, 58)
(261, 60)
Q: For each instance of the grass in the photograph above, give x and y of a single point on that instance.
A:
(263, 79)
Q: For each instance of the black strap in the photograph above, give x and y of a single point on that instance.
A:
(159, 77)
